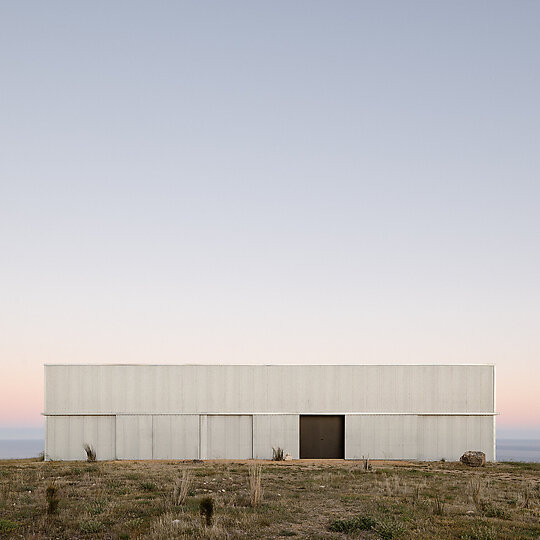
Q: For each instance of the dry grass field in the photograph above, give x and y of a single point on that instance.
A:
(306, 499)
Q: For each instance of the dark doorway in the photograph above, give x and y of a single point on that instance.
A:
(322, 437)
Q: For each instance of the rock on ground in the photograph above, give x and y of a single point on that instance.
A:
(473, 458)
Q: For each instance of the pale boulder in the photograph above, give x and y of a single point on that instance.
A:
(473, 458)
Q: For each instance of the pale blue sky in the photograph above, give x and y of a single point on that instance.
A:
(270, 182)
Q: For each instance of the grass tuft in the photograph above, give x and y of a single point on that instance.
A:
(438, 505)
(384, 528)
(482, 532)
(490, 510)
(182, 488)
(91, 527)
(90, 453)
(366, 465)
(255, 485)
(7, 526)
(475, 491)
(354, 524)
(389, 529)
(51, 495)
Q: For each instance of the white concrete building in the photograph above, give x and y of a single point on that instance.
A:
(419, 412)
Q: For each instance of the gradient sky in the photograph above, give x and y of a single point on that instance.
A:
(270, 182)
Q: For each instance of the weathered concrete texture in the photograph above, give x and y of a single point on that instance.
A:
(273, 431)
(65, 436)
(203, 412)
(228, 437)
(427, 438)
(222, 389)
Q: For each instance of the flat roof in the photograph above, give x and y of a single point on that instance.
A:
(269, 365)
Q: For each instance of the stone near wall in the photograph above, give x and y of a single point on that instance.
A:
(473, 458)
(288, 457)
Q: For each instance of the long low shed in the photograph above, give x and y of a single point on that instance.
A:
(418, 412)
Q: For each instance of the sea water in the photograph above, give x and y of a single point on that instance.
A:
(507, 449)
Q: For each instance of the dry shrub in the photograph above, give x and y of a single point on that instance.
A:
(392, 486)
(476, 491)
(51, 495)
(438, 506)
(278, 454)
(528, 496)
(416, 494)
(206, 509)
(366, 465)
(255, 485)
(90, 452)
(182, 487)
(494, 511)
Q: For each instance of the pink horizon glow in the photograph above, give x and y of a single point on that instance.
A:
(21, 401)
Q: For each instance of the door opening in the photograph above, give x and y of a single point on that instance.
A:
(322, 437)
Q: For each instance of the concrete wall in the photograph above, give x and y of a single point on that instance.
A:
(414, 437)
(228, 437)
(276, 430)
(417, 437)
(201, 389)
(188, 412)
(175, 435)
(65, 436)
(134, 435)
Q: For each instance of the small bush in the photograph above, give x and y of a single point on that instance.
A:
(493, 511)
(385, 529)
(277, 454)
(91, 526)
(255, 485)
(389, 529)
(366, 465)
(148, 486)
(482, 532)
(438, 506)
(41, 456)
(134, 523)
(51, 494)
(206, 509)
(97, 507)
(358, 523)
(7, 526)
(90, 452)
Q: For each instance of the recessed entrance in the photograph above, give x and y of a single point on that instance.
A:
(322, 437)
